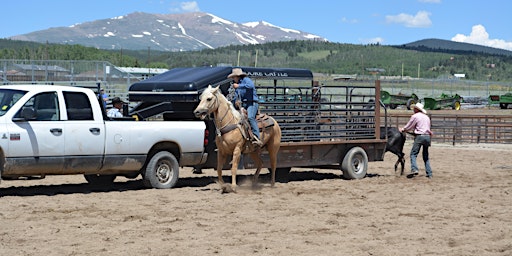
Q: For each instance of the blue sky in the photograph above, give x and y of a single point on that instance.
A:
(388, 22)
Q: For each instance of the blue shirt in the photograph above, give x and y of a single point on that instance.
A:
(246, 90)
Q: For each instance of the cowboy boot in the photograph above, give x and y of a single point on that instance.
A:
(257, 142)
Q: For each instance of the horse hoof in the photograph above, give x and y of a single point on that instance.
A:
(227, 188)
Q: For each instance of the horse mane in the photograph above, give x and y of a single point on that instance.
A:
(217, 92)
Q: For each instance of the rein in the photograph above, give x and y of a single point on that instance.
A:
(228, 126)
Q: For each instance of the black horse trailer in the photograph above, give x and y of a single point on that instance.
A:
(323, 126)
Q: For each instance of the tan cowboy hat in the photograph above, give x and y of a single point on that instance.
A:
(419, 107)
(237, 72)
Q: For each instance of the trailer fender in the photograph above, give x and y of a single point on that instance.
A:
(355, 164)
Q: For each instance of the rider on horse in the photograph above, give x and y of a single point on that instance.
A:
(245, 91)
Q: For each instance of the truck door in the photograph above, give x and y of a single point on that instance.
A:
(84, 136)
(36, 140)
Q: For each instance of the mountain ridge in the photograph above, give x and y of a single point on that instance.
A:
(166, 32)
(442, 45)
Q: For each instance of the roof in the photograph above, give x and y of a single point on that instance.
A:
(43, 88)
(41, 67)
(134, 70)
(198, 78)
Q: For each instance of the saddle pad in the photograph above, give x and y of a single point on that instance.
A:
(264, 121)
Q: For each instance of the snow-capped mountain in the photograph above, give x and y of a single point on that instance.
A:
(166, 32)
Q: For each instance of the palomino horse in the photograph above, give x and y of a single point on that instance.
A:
(230, 137)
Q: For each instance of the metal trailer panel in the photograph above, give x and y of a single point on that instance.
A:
(319, 131)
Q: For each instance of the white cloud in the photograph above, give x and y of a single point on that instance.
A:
(480, 36)
(189, 6)
(420, 20)
(375, 40)
(185, 7)
(347, 20)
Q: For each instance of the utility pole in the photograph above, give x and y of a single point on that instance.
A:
(149, 69)
(256, 59)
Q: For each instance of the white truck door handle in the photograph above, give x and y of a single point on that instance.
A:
(56, 131)
(94, 131)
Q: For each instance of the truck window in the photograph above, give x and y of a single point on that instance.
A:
(78, 106)
(45, 107)
(8, 98)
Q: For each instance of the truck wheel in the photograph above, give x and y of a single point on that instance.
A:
(355, 164)
(503, 105)
(100, 180)
(410, 102)
(162, 171)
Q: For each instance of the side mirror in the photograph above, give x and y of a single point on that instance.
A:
(27, 114)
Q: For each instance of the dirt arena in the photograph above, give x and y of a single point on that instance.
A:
(465, 210)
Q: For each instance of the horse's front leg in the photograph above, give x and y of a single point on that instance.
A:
(234, 166)
(221, 158)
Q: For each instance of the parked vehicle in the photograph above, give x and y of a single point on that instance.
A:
(503, 100)
(394, 100)
(322, 126)
(56, 130)
(444, 101)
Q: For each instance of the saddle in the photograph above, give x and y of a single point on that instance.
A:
(264, 121)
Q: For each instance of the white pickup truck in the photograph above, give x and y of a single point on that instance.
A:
(54, 130)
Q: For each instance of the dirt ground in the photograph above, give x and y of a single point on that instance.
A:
(465, 210)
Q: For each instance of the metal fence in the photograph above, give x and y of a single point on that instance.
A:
(68, 72)
(435, 88)
(463, 128)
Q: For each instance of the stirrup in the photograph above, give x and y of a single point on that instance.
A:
(257, 142)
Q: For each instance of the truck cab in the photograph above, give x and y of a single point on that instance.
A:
(54, 130)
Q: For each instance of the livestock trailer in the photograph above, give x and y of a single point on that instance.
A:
(323, 126)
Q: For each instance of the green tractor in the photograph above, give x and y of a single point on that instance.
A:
(503, 100)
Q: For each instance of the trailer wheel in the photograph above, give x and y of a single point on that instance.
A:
(410, 102)
(456, 105)
(162, 171)
(503, 105)
(355, 164)
(99, 180)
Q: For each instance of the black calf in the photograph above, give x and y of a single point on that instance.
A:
(395, 144)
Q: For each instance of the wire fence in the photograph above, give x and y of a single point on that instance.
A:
(67, 72)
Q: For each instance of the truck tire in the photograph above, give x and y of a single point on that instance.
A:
(355, 164)
(162, 171)
(99, 180)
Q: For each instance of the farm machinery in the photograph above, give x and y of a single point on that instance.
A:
(445, 101)
(394, 100)
(503, 100)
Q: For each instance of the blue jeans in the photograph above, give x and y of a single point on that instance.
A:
(421, 140)
(252, 110)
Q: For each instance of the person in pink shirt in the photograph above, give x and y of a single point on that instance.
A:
(419, 125)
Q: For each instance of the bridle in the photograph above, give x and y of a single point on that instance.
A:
(228, 126)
